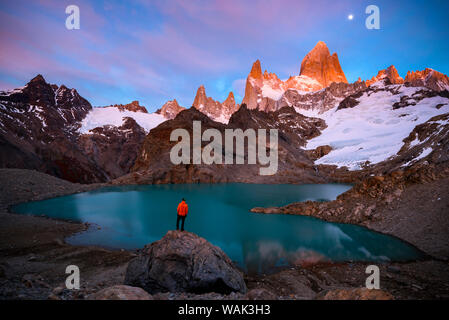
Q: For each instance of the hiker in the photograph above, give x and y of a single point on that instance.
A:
(183, 209)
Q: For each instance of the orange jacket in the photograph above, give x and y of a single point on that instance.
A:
(183, 209)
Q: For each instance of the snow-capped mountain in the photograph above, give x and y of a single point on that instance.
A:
(153, 164)
(323, 121)
(101, 116)
(319, 101)
(319, 69)
(429, 78)
(370, 127)
(53, 129)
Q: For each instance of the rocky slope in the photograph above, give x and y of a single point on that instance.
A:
(361, 127)
(38, 126)
(113, 148)
(387, 203)
(52, 129)
(153, 165)
(368, 129)
(418, 215)
(320, 101)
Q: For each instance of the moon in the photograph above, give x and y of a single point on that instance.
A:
(350, 17)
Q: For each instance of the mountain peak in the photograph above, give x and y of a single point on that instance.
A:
(256, 70)
(320, 65)
(429, 78)
(200, 98)
(230, 100)
(134, 106)
(230, 96)
(391, 74)
(170, 109)
(38, 78)
(320, 44)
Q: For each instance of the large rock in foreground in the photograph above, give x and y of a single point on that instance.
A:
(184, 262)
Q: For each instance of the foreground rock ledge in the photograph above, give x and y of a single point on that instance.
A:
(184, 262)
(121, 292)
(355, 294)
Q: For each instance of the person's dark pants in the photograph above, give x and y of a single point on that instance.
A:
(182, 218)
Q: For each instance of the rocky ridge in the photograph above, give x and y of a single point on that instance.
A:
(153, 165)
(170, 109)
(319, 69)
(39, 129)
(215, 110)
(183, 262)
(134, 106)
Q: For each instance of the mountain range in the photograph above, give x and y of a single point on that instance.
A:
(329, 129)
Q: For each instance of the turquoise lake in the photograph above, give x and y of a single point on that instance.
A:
(131, 216)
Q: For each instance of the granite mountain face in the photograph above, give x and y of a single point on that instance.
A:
(329, 129)
(39, 129)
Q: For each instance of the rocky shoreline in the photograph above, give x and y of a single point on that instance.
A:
(411, 204)
(32, 266)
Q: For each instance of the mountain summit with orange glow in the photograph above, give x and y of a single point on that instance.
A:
(320, 65)
(318, 70)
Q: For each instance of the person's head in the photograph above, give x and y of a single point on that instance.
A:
(183, 199)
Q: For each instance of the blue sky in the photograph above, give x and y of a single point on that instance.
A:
(154, 51)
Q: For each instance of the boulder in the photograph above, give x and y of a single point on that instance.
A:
(184, 262)
(121, 292)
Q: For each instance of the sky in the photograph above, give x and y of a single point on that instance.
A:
(158, 50)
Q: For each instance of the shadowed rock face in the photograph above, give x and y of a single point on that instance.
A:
(153, 165)
(322, 100)
(38, 126)
(39, 130)
(114, 149)
(183, 262)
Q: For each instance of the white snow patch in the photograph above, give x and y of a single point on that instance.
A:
(424, 153)
(371, 131)
(10, 92)
(99, 117)
(268, 91)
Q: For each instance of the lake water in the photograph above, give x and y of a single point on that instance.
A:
(131, 216)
